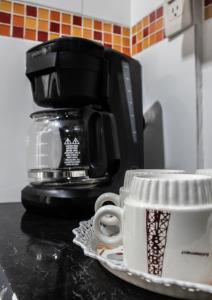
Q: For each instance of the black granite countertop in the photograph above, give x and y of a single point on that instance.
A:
(39, 261)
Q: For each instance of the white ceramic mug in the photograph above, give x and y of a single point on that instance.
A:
(118, 200)
(165, 227)
(109, 222)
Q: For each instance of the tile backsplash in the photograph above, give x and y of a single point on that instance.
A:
(148, 31)
(39, 23)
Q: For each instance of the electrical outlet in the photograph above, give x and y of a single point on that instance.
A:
(175, 10)
(177, 16)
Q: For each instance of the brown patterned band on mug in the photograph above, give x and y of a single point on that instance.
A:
(157, 223)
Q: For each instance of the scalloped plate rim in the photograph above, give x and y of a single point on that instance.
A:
(168, 282)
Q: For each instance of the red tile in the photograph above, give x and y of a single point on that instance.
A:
(77, 20)
(18, 32)
(31, 11)
(117, 29)
(146, 31)
(159, 12)
(152, 17)
(42, 36)
(108, 45)
(208, 2)
(5, 18)
(54, 27)
(134, 40)
(97, 35)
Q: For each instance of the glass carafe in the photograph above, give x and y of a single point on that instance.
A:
(72, 146)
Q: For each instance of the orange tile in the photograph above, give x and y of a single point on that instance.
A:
(159, 24)
(30, 23)
(153, 39)
(30, 34)
(139, 25)
(108, 38)
(126, 51)
(66, 29)
(126, 42)
(107, 27)
(140, 36)
(18, 8)
(77, 31)
(66, 18)
(139, 47)
(145, 43)
(53, 36)
(134, 29)
(159, 36)
(18, 21)
(116, 47)
(116, 39)
(43, 25)
(208, 12)
(5, 30)
(5, 5)
(152, 28)
(126, 31)
(43, 14)
(55, 16)
(134, 49)
(97, 25)
(87, 23)
(146, 21)
(87, 34)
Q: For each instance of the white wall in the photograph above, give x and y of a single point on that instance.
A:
(117, 11)
(207, 93)
(16, 105)
(73, 5)
(169, 78)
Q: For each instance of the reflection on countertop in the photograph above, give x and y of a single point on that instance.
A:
(39, 262)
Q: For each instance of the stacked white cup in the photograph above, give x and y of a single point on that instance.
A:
(110, 223)
(165, 226)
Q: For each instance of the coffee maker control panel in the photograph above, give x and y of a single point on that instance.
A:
(129, 95)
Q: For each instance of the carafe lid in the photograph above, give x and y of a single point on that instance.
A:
(56, 112)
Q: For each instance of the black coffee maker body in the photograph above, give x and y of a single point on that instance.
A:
(93, 133)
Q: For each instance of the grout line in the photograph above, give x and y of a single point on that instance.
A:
(11, 16)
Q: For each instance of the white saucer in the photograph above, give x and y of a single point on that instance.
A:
(112, 260)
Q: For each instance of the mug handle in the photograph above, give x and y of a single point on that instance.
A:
(107, 197)
(113, 211)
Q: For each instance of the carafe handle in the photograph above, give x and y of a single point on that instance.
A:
(111, 143)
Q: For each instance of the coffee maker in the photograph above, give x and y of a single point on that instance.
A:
(91, 131)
